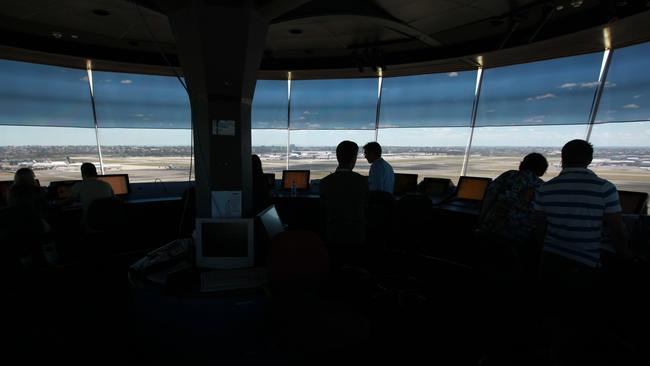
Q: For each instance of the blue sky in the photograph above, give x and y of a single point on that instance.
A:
(529, 102)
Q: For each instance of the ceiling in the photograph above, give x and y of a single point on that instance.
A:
(330, 37)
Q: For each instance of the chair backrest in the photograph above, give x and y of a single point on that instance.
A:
(106, 214)
(297, 259)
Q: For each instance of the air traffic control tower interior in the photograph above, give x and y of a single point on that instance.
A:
(289, 182)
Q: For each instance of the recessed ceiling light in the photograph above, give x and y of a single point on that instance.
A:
(74, 36)
(57, 35)
(101, 12)
(295, 31)
(576, 3)
(559, 7)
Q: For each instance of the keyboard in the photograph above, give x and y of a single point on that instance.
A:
(232, 279)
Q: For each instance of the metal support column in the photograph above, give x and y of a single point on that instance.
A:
(602, 81)
(477, 95)
(89, 72)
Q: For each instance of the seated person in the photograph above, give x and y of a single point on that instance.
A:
(508, 205)
(90, 188)
(26, 193)
(381, 176)
(343, 196)
(25, 227)
(261, 189)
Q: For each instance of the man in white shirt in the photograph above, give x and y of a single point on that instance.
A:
(381, 176)
(90, 188)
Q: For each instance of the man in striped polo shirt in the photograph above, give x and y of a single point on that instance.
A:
(571, 210)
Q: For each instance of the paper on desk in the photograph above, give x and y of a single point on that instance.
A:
(226, 204)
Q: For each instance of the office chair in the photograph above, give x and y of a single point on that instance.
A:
(379, 217)
(297, 260)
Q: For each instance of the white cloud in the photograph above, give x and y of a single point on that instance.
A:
(568, 85)
(452, 74)
(593, 84)
(85, 78)
(534, 119)
(543, 96)
(637, 96)
(631, 106)
(301, 118)
(126, 81)
(491, 110)
(139, 115)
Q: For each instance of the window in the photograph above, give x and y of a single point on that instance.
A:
(140, 101)
(428, 152)
(432, 100)
(271, 147)
(498, 149)
(270, 104)
(40, 95)
(622, 154)
(627, 91)
(333, 104)
(316, 150)
(146, 154)
(54, 153)
(552, 92)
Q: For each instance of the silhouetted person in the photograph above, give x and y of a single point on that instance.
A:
(343, 196)
(571, 210)
(26, 193)
(261, 189)
(507, 220)
(381, 176)
(508, 203)
(26, 226)
(90, 188)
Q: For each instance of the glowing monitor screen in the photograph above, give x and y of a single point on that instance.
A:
(405, 183)
(300, 177)
(633, 202)
(436, 186)
(224, 243)
(472, 188)
(119, 183)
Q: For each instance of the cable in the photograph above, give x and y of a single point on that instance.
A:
(180, 80)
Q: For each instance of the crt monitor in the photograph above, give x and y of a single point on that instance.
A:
(119, 183)
(271, 222)
(270, 179)
(300, 177)
(472, 188)
(437, 187)
(405, 183)
(224, 243)
(633, 202)
(62, 189)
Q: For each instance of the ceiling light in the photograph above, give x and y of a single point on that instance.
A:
(576, 3)
(57, 35)
(559, 7)
(101, 12)
(621, 3)
(74, 36)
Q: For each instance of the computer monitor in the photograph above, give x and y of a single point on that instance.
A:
(270, 178)
(62, 189)
(271, 222)
(224, 243)
(405, 183)
(635, 203)
(5, 186)
(300, 177)
(472, 188)
(437, 187)
(119, 183)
